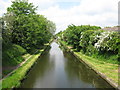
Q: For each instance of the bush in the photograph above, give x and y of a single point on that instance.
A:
(12, 55)
(108, 42)
(73, 33)
(91, 41)
(85, 38)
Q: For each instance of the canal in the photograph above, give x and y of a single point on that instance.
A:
(59, 69)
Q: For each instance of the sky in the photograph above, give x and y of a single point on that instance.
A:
(78, 12)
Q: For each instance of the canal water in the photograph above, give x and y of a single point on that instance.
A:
(59, 69)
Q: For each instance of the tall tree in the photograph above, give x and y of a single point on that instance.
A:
(26, 27)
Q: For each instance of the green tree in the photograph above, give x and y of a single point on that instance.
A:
(73, 34)
(26, 27)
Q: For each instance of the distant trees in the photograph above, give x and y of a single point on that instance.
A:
(73, 34)
(92, 41)
(23, 26)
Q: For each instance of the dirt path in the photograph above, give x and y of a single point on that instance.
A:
(15, 67)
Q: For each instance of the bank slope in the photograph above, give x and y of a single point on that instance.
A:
(106, 70)
(14, 80)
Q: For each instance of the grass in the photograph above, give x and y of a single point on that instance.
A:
(5, 72)
(110, 70)
(0, 85)
(12, 55)
(107, 67)
(14, 80)
(110, 58)
(25, 56)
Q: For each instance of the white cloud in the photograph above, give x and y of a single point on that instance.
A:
(3, 6)
(43, 4)
(93, 12)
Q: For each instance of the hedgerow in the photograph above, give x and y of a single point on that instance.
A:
(93, 41)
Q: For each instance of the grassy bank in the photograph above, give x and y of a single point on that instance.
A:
(12, 55)
(108, 70)
(14, 80)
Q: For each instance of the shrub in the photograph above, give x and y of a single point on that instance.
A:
(85, 38)
(91, 41)
(12, 55)
(108, 42)
(73, 33)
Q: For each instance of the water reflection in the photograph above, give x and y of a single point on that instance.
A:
(42, 66)
(58, 69)
(80, 74)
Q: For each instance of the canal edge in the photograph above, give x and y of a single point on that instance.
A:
(36, 55)
(45, 47)
(108, 80)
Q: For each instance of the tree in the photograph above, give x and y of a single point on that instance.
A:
(22, 26)
(73, 34)
(26, 27)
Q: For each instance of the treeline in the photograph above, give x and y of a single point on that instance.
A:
(93, 41)
(22, 26)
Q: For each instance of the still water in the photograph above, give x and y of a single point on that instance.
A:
(60, 69)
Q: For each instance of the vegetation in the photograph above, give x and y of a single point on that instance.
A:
(12, 55)
(25, 27)
(15, 79)
(98, 48)
(23, 30)
(99, 64)
(23, 33)
(92, 41)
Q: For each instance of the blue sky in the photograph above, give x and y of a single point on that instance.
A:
(79, 12)
(67, 5)
(5, 0)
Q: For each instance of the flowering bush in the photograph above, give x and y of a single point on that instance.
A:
(93, 41)
(73, 34)
(108, 41)
(101, 41)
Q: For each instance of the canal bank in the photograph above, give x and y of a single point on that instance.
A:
(84, 59)
(60, 69)
(18, 75)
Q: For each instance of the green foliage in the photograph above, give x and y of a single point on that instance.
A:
(21, 50)
(111, 42)
(73, 34)
(14, 80)
(91, 41)
(19, 7)
(25, 27)
(12, 55)
(84, 39)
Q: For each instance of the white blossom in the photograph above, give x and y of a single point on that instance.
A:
(101, 38)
